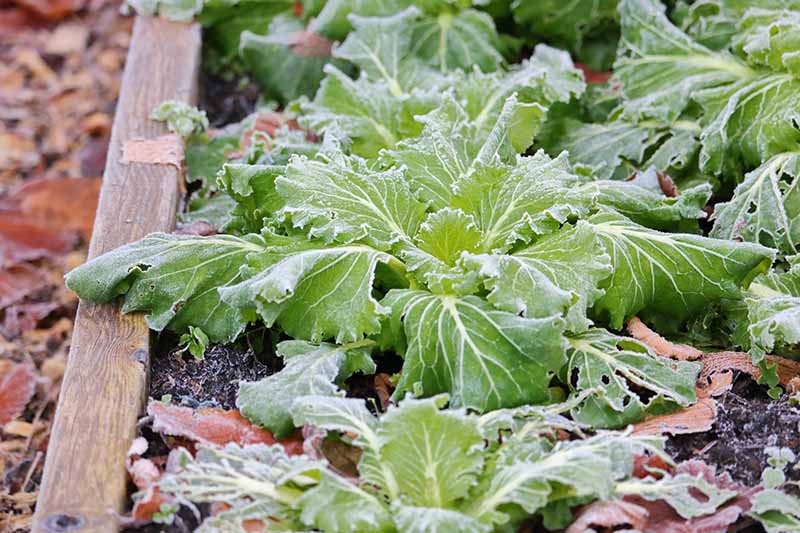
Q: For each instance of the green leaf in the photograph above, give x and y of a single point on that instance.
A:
(450, 147)
(341, 199)
(773, 310)
(670, 275)
(650, 208)
(195, 341)
(174, 278)
(512, 204)
(435, 455)
(529, 474)
(605, 150)
(315, 293)
(777, 511)
(548, 76)
(181, 118)
(288, 60)
(213, 210)
(765, 207)
(256, 481)
(558, 274)
(690, 496)
(410, 519)
(457, 40)
(660, 68)
(749, 122)
(382, 48)
(309, 369)
(369, 114)
(619, 369)
(486, 359)
(771, 38)
(339, 505)
(333, 20)
(252, 188)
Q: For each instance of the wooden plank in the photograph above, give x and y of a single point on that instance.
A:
(105, 384)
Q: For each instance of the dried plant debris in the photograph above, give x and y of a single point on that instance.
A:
(60, 66)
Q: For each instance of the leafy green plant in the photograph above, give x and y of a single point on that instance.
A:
(426, 469)
(424, 200)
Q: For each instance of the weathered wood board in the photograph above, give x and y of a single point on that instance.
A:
(105, 384)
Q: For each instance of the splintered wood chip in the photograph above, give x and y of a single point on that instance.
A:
(696, 418)
(164, 150)
(724, 363)
(682, 352)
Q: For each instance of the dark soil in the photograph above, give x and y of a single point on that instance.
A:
(748, 421)
(211, 382)
(227, 99)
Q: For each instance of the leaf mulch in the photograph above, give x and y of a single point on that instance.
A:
(60, 66)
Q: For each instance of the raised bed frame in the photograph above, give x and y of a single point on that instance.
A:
(104, 388)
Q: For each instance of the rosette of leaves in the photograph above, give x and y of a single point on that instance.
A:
(422, 468)
(472, 262)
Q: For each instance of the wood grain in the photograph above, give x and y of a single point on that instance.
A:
(105, 384)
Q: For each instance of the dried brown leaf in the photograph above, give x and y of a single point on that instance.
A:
(17, 386)
(609, 514)
(696, 418)
(212, 426)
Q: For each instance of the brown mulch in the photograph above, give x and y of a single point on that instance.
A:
(60, 66)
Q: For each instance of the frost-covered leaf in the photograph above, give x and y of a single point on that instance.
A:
(558, 274)
(252, 188)
(410, 519)
(314, 292)
(288, 60)
(652, 208)
(435, 455)
(450, 147)
(181, 118)
(777, 511)
(765, 207)
(309, 369)
(619, 369)
(513, 203)
(527, 473)
(548, 76)
(382, 48)
(691, 496)
(773, 310)
(749, 122)
(371, 115)
(340, 199)
(603, 149)
(174, 278)
(771, 37)
(256, 481)
(659, 67)
(457, 40)
(484, 358)
(670, 275)
(340, 505)
(333, 19)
